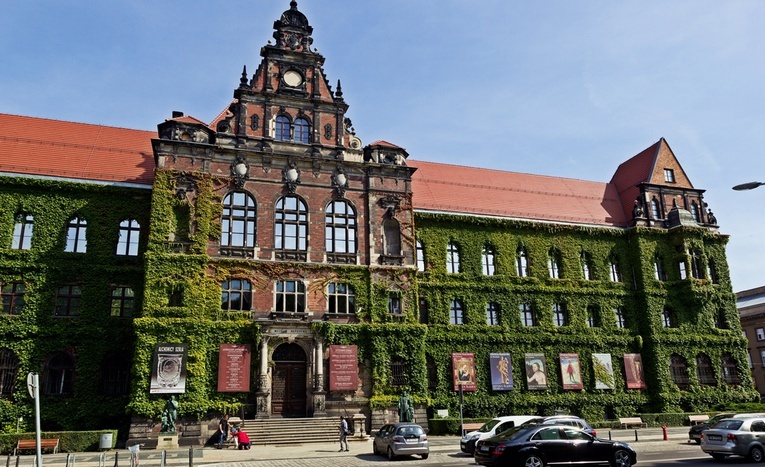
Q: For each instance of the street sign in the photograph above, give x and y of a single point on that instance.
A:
(31, 384)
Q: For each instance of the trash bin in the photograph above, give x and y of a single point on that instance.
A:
(106, 441)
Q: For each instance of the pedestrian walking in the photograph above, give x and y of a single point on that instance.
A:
(343, 433)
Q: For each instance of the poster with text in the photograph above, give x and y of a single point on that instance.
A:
(168, 371)
(571, 372)
(536, 371)
(501, 371)
(633, 371)
(463, 371)
(604, 370)
(234, 368)
(343, 368)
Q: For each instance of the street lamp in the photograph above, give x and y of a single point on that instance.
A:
(748, 186)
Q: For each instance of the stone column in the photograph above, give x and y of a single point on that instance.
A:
(319, 395)
(263, 393)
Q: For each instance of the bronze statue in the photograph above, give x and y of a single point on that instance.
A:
(405, 408)
(169, 416)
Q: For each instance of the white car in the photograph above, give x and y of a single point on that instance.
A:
(491, 428)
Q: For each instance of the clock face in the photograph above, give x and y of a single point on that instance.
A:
(292, 78)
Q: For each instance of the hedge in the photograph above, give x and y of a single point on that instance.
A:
(69, 441)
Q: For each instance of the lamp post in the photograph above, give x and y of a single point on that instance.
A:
(748, 186)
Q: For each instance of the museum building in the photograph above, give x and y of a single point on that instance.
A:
(270, 264)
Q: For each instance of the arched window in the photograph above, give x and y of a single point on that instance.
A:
(729, 371)
(340, 229)
(9, 370)
(127, 242)
(115, 375)
(391, 237)
(586, 260)
(290, 297)
(553, 264)
(655, 209)
(487, 261)
(695, 212)
(420, 256)
(492, 314)
(302, 131)
(76, 239)
(236, 295)
(432, 370)
(282, 128)
(452, 258)
(291, 229)
(22, 232)
(522, 262)
(398, 371)
(455, 312)
(58, 375)
(239, 221)
(341, 298)
(678, 371)
(704, 371)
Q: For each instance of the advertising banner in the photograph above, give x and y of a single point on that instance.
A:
(234, 368)
(343, 368)
(536, 371)
(633, 371)
(571, 372)
(168, 371)
(463, 369)
(501, 371)
(604, 370)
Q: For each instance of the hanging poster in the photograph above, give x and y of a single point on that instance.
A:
(536, 371)
(168, 371)
(571, 372)
(343, 368)
(463, 370)
(633, 371)
(234, 368)
(604, 370)
(501, 371)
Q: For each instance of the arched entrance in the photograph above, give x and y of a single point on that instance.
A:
(288, 387)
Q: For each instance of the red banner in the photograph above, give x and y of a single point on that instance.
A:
(343, 368)
(234, 368)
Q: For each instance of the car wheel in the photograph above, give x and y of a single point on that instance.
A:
(391, 456)
(374, 449)
(719, 457)
(533, 461)
(756, 454)
(621, 459)
(425, 456)
(698, 441)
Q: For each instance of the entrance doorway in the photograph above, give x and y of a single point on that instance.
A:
(288, 387)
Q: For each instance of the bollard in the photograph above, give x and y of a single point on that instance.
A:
(102, 459)
(191, 456)
(609, 435)
(17, 461)
(116, 459)
(636, 436)
(8, 461)
(162, 458)
(664, 432)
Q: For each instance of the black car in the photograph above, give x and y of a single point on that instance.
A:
(541, 445)
(694, 434)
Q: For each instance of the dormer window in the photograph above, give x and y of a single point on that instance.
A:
(669, 175)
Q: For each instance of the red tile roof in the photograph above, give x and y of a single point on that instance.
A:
(469, 190)
(38, 146)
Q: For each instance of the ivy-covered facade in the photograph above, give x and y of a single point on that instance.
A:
(276, 229)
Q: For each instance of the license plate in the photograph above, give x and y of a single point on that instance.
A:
(484, 448)
(714, 437)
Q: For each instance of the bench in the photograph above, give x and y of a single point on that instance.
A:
(629, 421)
(468, 427)
(31, 444)
(694, 419)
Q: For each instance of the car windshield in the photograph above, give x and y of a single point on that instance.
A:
(717, 418)
(410, 431)
(729, 425)
(488, 426)
(532, 422)
(512, 433)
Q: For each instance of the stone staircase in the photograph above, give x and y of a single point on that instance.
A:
(291, 430)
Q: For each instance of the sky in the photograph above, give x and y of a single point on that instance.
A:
(559, 88)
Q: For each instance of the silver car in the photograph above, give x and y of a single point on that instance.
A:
(397, 439)
(736, 437)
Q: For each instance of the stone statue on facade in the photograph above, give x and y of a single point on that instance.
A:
(405, 408)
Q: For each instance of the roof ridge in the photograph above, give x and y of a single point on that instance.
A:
(65, 144)
(417, 161)
(74, 122)
(520, 190)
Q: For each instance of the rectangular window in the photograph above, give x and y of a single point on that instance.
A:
(683, 272)
(621, 319)
(669, 175)
(560, 317)
(122, 301)
(760, 334)
(394, 304)
(762, 357)
(13, 298)
(527, 315)
(68, 301)
(455, 312)
(492, 317)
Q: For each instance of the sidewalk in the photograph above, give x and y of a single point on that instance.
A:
(649, 440)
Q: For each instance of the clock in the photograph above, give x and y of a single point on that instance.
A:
(292, 78)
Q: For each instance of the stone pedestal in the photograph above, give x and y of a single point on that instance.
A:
(359, 422)
(167, 441)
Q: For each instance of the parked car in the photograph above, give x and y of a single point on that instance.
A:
(694, 434)
(736, 437)
(397, 439)
(491, 428)
(570, 420)
(542, 444)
